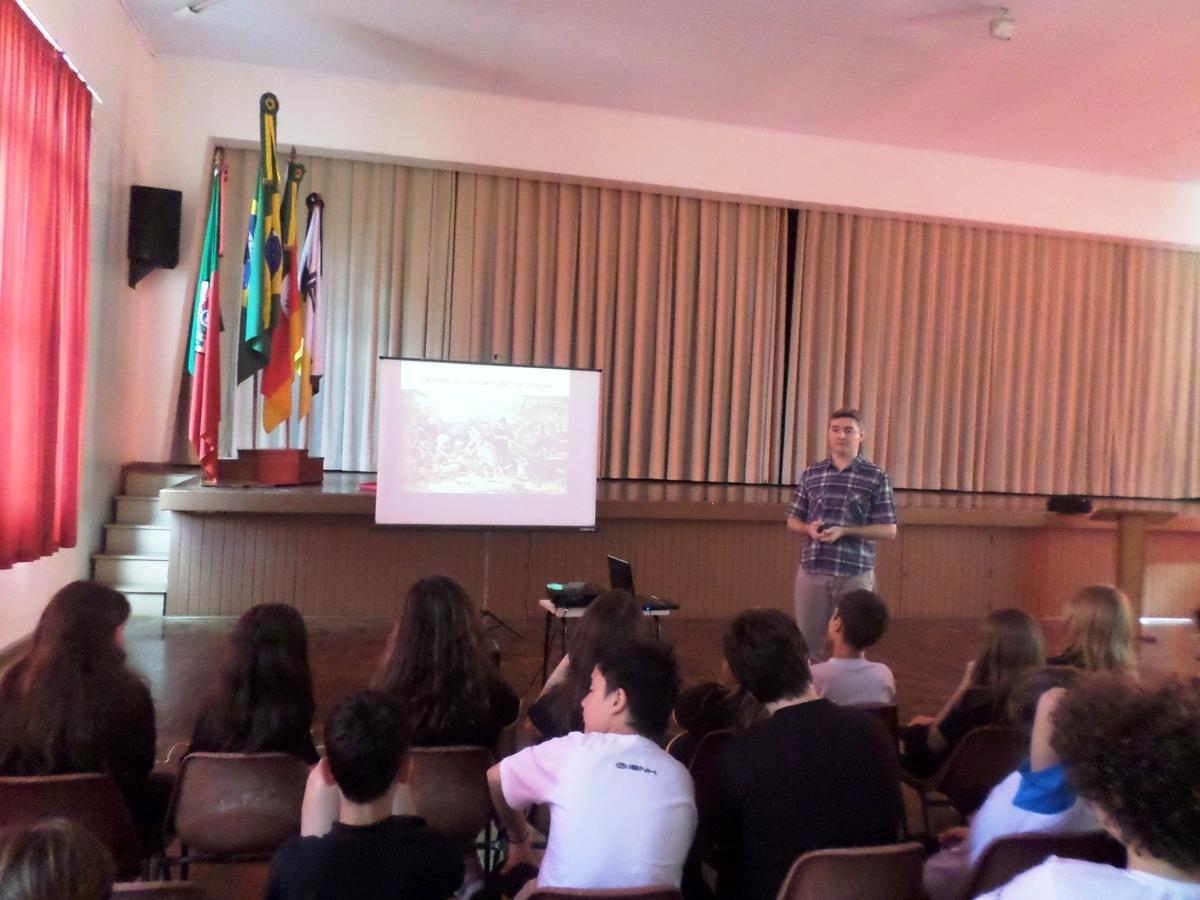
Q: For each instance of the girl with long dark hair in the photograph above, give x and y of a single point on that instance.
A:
(1012, 645)
(437, 665)
(265, 701)
(70, 704)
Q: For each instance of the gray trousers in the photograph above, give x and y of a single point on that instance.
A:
(816, 599)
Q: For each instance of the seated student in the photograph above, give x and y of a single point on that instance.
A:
(611, 620)
(438, 668)
(1099, 625)
(622, 811)
(264, 703)
(707, 707)
(54, 860)
(848, 678)
(71, 704)
(1134, 754)
(368, 853)
(1012, 645)
(1034, 798)
(812, 776)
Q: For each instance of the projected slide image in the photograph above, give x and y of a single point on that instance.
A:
(483, 441)
(475, 444)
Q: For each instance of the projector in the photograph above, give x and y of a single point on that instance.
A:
(573, 593)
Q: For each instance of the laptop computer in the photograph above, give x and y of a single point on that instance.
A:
(620, 577)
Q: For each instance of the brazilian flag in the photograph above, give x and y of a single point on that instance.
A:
(262, 264)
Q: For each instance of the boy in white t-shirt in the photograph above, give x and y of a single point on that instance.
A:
(1135, 755)
(622, 811)
(848, 678)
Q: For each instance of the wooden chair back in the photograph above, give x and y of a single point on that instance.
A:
(892, 872)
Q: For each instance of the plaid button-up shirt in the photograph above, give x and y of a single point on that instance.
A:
(858, 495)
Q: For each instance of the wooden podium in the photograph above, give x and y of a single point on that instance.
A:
(271, 468)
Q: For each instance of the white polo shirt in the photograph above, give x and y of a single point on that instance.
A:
(852, 682)
(622, 811)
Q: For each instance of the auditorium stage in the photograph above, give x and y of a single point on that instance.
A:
(715, 549)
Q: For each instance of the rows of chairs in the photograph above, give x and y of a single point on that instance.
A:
(229, 807)
(240, 807)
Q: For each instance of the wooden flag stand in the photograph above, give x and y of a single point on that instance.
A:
(280, 467)
(271, 468)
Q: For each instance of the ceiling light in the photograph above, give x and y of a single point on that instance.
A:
(1002, 25)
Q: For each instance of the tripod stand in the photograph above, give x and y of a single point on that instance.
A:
(497, 622)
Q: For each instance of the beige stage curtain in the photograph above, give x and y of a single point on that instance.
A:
(681, 302)
(1157, 446)
(987, 360)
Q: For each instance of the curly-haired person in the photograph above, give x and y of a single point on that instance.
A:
(1134, 753)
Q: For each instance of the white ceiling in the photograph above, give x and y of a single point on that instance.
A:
(1104, 85)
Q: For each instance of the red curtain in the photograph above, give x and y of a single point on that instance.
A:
(45, 129)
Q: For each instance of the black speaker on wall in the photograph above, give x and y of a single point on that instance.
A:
(154, 215)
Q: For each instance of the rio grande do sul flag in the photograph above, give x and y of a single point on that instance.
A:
(204, 340)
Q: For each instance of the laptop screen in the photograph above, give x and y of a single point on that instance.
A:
(620, 574)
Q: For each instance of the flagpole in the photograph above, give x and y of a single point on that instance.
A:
(287, 425)
(254, 415)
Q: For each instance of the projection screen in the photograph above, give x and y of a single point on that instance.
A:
(478, 444)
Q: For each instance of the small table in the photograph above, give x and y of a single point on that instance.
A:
(557, 616)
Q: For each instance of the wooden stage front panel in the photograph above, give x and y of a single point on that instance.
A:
(714, 549)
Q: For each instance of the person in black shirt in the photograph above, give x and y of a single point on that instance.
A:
(369, 854)
(265, 700)
(1012, 646)
(812, 776)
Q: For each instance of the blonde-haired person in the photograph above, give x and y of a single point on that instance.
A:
(54, 860)
(1099, 631)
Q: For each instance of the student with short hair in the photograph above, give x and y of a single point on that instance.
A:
(622, 811)
(812, 776)
(1134, 754)
(611, 620)
(848, 678)
(368, 853)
